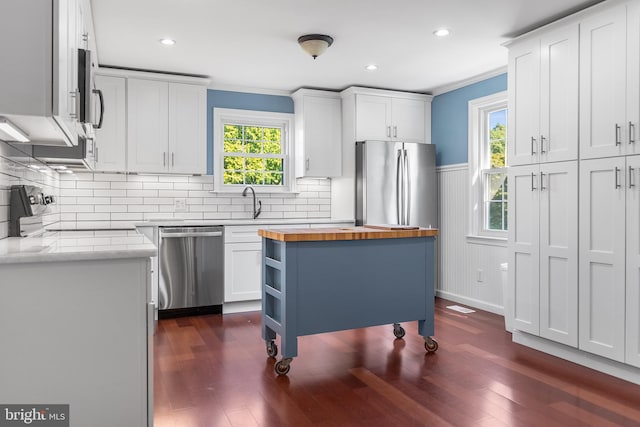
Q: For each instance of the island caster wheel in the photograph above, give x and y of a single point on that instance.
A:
(398, 331)
(430, 345)
(283, 366)
(272, 349)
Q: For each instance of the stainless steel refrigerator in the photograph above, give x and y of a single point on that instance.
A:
(396, 184)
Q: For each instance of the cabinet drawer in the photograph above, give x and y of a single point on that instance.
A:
(242, 233)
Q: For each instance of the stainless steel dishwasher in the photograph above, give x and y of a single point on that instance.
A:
(191, 261)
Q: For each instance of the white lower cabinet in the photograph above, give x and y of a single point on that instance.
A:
(543, 249)
(242, 271)
(610, 258)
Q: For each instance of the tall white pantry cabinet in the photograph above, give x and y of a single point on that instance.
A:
(574, 181)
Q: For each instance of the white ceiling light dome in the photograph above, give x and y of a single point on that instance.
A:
(315, 44)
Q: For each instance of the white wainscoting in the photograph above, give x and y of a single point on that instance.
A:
(459, 257)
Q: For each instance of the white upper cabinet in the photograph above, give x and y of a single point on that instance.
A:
(393, 118)
(318, 128)
(166, 127)
(187, 128)
(148, 131)
(39, 71)
(633, 78)
(543, 98)
(111, 139)
(603, 124)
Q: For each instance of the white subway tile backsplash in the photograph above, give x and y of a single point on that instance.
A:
(110, 193)
(126, 200)
(127, 185)
(143, 208)
(171, 178)
(202, 179)
(110, 208)
(109, 177)
(103, 216)
(68, 184)
(215, 215)
(142, 178)
(230, 208)
(62, 200)
(73, 192)
(94, 200)
(76, 208)
(142, 193)
(173, 193)
(128, 216)
(92, 184)
(157, 185)
(187, 186)
(158, 201)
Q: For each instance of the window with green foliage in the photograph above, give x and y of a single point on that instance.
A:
(488, 166)
(253, 155)
(252, 148)
(494, 172)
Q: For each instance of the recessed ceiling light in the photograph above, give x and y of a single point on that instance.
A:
(168, 42)
(442, 32)
(60, 167)
(371, 67)
(36, 167)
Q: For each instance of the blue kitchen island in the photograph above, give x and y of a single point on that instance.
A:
(331, 279)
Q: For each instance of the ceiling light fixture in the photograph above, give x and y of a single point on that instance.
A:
(315, 44)
(12, 131)
(442, 32)
(371, 67)
(168, 42)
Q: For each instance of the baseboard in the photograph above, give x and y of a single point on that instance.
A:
(471, 302)
(241, 306)
(610, 367)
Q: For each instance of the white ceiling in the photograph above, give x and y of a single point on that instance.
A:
(253, 43)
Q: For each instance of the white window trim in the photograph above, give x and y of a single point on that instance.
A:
(477, 109)
(257, 118)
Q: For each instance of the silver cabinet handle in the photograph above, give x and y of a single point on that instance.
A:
(389, 131)
(617, 134)
(395, 131)
(632, 133)
(631, 184)
(533, 141)
(164, 159)
(617, 177)
(173, 159)
(542, 187)
(399, 190)
(96, 153)
(533, 181)
(306, 164)
(542, 138)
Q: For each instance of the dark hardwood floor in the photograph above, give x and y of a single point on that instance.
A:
(213, 371)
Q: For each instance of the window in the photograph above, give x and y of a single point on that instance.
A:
(487, 165)
(252, 148)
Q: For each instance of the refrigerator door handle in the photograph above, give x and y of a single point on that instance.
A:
(407, 190)
(399, 189)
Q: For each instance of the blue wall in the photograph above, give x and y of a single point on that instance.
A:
(449, 118)
(240, 101)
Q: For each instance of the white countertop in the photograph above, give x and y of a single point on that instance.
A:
(76, 246)
(191, 223)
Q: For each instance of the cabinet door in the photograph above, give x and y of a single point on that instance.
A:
(408, 120)
(147, 127)
(187, 128)
(558, 139)
(373, 118)
(633, 78)
(321, 144)
(602, 257)
(603, 84)
(524, 250)
(66, 95)
(242, 271)
(633, 262)
(524, 103)
(111, 139)
(559, 252)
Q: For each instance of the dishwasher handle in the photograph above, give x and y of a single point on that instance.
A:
(192, 234)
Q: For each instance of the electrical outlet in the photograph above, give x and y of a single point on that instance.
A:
(180, 204)
(480, 275)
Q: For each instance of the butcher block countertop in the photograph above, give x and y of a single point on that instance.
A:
(348, 233)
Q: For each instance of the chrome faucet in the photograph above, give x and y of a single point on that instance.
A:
(244, 194)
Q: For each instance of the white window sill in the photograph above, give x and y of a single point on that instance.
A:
(258, 191)
(487, 240)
